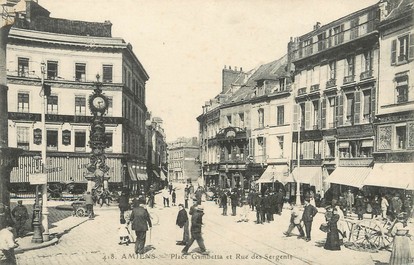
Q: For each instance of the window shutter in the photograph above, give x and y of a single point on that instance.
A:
(308, 115)
(323, 113)
(311, 149)
(264, 148)
(295, 117)
(357, 113)
(247, 119)
(411, 47)
(393, 51)
(340, 110)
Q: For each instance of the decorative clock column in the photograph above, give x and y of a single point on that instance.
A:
(98, 170)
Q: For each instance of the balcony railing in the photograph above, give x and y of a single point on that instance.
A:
(314, 88)
(316, 127)
(302, 91)
(365, 75)
(349, 79)
(402, 98)
(330, 83)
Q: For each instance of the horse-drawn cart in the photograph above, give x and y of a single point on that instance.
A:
(369, 234)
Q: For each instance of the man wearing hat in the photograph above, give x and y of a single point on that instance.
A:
(196, 223)
(140, 219)
(20, 215)
(193, 207)
(182, 222)
(309, 211)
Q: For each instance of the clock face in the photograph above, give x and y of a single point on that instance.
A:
(99, 103)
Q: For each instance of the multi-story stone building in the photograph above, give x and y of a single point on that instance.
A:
(394, 123)
(157, 159)
(271, 134)
(336, 78)
(67, 55)
(183, 160)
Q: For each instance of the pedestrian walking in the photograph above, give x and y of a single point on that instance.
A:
(198, 195)
(186, 195)
(89, 202)
(332, 238)
(376, 207)
(196, 235)
(234, 201)
(294, 222)
(223, 201)
(173, 197)
(20, 216)
(170, 187)
(183, 222)
(401, 252)
(123, 233)
(350, 200)
(259, 209)
(309, 212)
(151, 197)
(193, 207)
(384, 206)
(166, 197)
(279, 201)
(360, 207)
(123, 204)
(396, 205)
(141, 220)
(7, 246)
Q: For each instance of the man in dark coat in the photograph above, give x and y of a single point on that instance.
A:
(182, 222)
(267, 206)
(123, 204)
(89, 202)
(223, 201)
(259, 208)
(193, 207)
(196, 223)
(308, 213)
(233, 198)
(279, 201)
(186, 195)
(140, 219)
(20, 216)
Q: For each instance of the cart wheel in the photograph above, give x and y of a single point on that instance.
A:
(80, 212)
(369, 235)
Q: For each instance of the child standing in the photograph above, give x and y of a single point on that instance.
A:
(123, 233)
(173, 196)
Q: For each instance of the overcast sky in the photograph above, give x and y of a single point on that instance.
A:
(184, 44)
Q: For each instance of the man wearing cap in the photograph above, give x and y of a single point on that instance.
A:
(182, 222)
(196, 223)
(20, 215)
(309, 212)
(140, 219)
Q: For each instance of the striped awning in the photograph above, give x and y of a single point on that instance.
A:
(142, 176)
(392, 175)
(163, 177)
(350, 176)
(63, 169)
(136, 173)
(275, 173)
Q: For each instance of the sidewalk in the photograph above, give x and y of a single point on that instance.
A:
(57, 229)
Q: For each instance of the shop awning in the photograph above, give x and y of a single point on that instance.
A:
(142, 176)
(308, 175)
(392, 175)
(275, 172)
(350, 176)
(132, 171)
(163, 177)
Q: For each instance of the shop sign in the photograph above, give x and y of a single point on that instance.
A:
(37, 136)
(66, 137)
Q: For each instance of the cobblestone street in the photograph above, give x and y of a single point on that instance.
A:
(228, 241)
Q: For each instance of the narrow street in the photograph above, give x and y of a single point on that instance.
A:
(228, 242)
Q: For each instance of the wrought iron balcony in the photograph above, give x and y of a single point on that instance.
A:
(314, 88)
(301, 91)
(365, 75)
(330, 83)
(349, 79)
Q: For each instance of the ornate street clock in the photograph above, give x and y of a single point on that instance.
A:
(98, 103)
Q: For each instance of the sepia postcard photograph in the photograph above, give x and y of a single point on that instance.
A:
(207, 132)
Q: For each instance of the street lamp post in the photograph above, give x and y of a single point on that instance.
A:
(45, 212)
(298, 201)
(37, 230)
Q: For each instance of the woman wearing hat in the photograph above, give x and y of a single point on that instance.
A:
(332, 238)
(401, 253)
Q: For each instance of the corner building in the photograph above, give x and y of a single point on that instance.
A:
(72, 54)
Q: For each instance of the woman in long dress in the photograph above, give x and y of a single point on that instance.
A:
(401, 253)
(332, 238)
